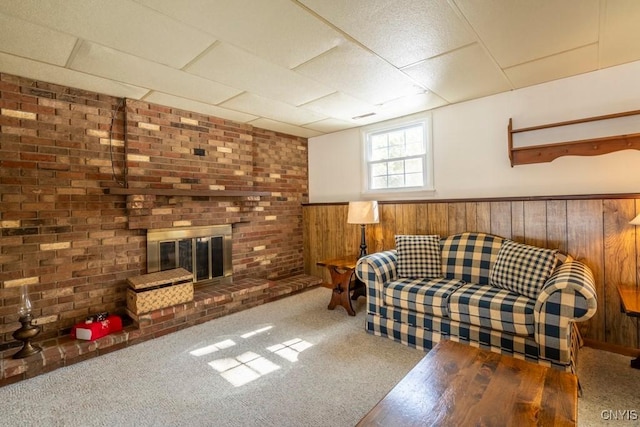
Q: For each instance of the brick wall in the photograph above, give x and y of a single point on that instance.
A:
(75, 244)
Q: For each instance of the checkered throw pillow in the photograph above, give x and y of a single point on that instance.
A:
(523, 268)
(470, 256)
(419, 256)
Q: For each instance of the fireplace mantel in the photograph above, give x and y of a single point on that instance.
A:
(180, 192)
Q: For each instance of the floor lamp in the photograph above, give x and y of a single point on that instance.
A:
(363, 213)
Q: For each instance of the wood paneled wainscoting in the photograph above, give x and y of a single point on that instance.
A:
(593, 229)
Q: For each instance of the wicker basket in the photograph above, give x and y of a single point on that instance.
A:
(163, 289)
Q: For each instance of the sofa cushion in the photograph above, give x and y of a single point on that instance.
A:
(419, 256)
(470, 256)
(421, 295)
(494, 308)
(523, 268)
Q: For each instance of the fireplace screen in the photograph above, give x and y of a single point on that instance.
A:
(204, 251)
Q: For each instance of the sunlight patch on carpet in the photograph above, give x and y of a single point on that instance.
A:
(212, 348)
(256, 332)
(290, 350)
(244, 368)
(249, 366)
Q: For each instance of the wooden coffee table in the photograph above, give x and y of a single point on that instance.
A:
(460, 385)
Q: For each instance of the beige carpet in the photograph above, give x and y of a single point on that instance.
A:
(287, 363)
(611, 390)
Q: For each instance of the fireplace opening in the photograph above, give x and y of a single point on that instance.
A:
(203, 251)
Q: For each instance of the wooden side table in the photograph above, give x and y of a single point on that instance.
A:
(630, 305)
(343, 279)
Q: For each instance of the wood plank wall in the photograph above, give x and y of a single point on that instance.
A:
(594, 230)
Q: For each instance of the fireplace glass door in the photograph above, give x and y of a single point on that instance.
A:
(205, 255)
(207, 263)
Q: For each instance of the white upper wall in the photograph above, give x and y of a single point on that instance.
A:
(470, 144)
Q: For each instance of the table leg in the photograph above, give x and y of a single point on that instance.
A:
(359, 289)
(341, 280)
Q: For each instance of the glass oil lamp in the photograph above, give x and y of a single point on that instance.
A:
(27, 331)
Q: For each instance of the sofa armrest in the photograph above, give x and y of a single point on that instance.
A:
(374, 271)
(568, 296)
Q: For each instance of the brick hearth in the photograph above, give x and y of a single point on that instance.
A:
(209, 302)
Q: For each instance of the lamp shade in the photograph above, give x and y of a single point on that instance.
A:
(635, 221)
(363, 213)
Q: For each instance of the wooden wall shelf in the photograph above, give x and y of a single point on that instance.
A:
(585, 147)
(189, 193)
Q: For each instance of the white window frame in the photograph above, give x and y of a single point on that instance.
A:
(390, 126)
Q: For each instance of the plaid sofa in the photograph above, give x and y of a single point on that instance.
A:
(479, 289)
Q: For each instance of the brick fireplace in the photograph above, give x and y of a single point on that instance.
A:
(83, 177)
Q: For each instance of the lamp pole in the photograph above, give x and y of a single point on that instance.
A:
(363, 242)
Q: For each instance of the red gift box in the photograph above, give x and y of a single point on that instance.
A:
(95, 330)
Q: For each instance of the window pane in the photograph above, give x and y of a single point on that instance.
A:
(413, 165)
(414, 180)
(379, 182)
(396, 144)
(415, 149)
(379, 141)
(396, 167)
(379, 154)
(414, 135)
(379, 147)
(396, 139)
(396, 151)
(396, 181)
(378, 169)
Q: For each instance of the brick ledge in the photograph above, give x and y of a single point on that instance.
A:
(209, 302)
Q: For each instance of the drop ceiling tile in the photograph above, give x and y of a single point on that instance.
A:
(33, 41)
(106, 62)
(554, 67)
(231, 66)
(264, 107)
(198, 107)
(401, 31)
(409, 105)
(520, 31)
(461, 75)
(53, 74)
(359, 73)
(126, 26)
(251, 25)
(390, 110)
(620, 38)
(330, 125)
(284, 128)
(340, 106)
